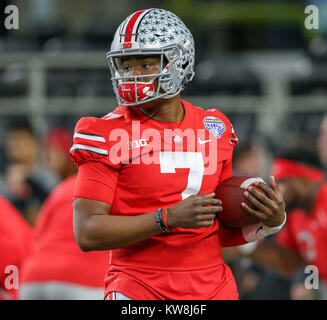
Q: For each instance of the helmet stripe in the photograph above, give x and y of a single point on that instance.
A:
(138, 22)
(133, 22)
(130, 25)
(123, 28)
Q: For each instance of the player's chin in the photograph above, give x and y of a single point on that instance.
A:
(149, 104)
(153, 103)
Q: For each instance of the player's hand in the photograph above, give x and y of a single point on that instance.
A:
(194, 212)
(270, 205)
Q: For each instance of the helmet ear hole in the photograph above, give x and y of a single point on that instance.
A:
(169, 85)
(185, 65)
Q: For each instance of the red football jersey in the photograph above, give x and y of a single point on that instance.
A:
(306, 233)
(15, 245)
(137, 165)
(56, 255)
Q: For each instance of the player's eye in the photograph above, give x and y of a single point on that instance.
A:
(126, 68)
(147, 65)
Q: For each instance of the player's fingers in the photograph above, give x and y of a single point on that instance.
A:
(263, 198)
(275, 186)
(252, 212)
(208, 201)
(204, 195)
(279, 195)
(205, 223)
(205, 201)
(204, 217)
(268, 191)
(273, 183)
(258, 205)
(203, 210)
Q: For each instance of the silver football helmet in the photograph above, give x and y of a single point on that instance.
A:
(152, 32)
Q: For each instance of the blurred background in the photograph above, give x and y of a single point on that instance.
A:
(255, 61)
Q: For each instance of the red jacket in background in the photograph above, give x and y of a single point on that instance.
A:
(56, 255)
(15, 244)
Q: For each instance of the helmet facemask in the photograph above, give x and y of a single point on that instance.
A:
(131, 91)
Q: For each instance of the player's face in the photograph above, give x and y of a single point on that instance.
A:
(140, 65)
(21, 146)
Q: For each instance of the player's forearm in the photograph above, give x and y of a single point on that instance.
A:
(106, 232)
(96, 229)
(277, 258)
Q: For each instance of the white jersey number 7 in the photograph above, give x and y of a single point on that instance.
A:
(169, 161)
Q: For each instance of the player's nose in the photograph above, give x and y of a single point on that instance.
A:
(134, 72)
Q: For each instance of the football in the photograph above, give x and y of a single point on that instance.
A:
(231, 193)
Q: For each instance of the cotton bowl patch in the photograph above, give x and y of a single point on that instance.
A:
(215, 126)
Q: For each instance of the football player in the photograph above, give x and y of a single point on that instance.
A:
(149, 169)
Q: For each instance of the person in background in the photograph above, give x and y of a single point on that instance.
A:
(15, 245)
(254, 282)
(57, 145)
(249, 158)
(303, 240)
(57, 268)
(322, 143)
(24, 182)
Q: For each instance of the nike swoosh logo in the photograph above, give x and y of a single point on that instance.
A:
(260, 228)
(203, 141)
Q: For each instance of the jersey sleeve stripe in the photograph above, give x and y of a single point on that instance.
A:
(88, 136)
(88, 148)
(111, 115)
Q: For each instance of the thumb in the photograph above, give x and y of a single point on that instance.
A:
(273, 184)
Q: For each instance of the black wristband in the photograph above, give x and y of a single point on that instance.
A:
(159, 221)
